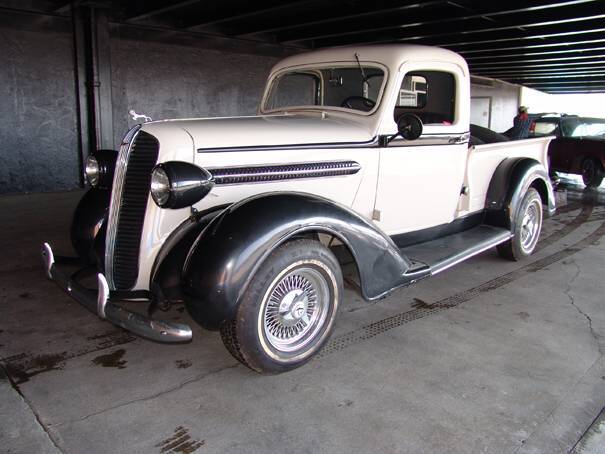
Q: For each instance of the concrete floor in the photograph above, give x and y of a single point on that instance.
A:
(490, 356)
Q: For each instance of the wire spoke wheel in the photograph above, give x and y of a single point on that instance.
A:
(288, 310)
(295, 308)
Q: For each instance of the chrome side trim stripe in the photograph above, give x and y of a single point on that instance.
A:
(264, 173)
(116, 201)
(370, 143)
(425, 139)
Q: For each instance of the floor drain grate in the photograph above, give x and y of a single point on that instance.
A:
(371, 330)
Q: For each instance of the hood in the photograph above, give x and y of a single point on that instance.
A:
(269, 130)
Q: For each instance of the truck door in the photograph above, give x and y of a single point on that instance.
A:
(420, 181)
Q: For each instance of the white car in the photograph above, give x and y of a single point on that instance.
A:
(364, 150)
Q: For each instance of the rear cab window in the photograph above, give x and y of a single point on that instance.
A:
(429, 94)
(545, 128)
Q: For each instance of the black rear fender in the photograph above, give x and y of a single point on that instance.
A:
(511, 180)
(230, 249)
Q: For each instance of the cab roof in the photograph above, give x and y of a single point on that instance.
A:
(390, 55)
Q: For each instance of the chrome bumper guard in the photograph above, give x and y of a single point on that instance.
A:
(157, 330)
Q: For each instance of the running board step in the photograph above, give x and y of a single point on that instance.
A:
(447, 251)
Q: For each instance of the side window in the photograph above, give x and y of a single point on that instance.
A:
(429, 94)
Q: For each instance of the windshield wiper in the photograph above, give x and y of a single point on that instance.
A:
(364, 78)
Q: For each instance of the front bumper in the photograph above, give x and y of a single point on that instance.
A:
(99, 303)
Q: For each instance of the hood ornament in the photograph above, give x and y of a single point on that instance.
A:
(136, 116)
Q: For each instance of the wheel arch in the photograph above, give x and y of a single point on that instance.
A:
(344, 255)
(234, 245)
(540, 185)
(511, 179)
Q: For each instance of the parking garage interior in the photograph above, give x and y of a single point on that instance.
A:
(486, 357)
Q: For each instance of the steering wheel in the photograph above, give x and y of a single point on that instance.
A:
(358, 103)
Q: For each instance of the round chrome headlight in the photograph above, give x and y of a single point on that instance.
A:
(92, 171)
(176, 184)
(160, 186)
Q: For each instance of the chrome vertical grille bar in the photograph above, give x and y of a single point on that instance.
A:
(116, 198)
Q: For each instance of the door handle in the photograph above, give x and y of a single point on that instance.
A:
(463, 138)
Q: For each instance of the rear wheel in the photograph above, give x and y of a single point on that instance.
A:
(288, 310)
(527, 227)
(592, 173)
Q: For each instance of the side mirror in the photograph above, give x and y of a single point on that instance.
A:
(409, 126)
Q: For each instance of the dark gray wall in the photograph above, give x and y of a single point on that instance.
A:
(173, 81)
(38, 141)
(38, 137)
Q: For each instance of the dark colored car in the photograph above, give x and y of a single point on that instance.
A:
(579, 147)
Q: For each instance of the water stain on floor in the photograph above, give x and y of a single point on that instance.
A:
(22, 371)
(183, 363)
(180, 442)
(113, 359)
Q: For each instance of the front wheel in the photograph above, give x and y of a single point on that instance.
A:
(527, 227)
(288, 309)
(592, 173)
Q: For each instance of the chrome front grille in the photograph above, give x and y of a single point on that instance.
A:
(130, 192)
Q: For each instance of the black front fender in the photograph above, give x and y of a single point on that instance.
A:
(88, 223)
(230, 249)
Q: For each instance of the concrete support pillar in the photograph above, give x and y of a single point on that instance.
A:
(92, 65)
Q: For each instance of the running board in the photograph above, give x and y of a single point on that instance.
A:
(447, 251)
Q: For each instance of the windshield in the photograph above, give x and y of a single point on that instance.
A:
(589, 128)
(350, 87)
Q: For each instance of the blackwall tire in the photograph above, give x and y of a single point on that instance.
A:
(527, 228)
(288, 310)
(592, 173)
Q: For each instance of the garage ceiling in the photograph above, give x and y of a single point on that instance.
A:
(553, 46)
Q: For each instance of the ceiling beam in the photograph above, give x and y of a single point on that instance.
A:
(540, 80)
(563, 80)
(569, 87)
(137, 15)
(337, 16)
(504, 56)
(563, 47)
(521, 71)
(64, 8)
(514, 15)
(565, 84)
(564, 91)
(568, 32)
(579, 83)
(596, 55)
(552, 65)
(253, 11)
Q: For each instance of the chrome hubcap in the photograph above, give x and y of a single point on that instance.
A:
(295, 308)
(530, 227)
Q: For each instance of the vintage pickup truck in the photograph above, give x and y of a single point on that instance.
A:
(360, 150)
